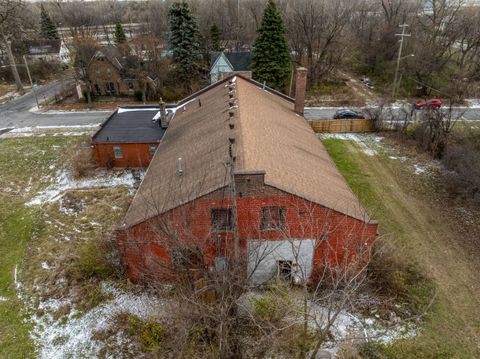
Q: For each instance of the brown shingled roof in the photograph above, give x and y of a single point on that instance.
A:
(270, 137)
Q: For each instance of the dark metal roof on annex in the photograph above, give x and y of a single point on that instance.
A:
(130, 124)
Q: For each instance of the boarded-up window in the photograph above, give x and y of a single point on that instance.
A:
(272, 218)
(117, 152)
(221, 219)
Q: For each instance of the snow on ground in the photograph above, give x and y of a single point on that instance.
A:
(473, 102)
(59, 130)
(366, 142)
(73, 336)
(419, 169)
(3, 299)
(64, 182)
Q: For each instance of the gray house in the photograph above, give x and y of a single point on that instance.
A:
(227, 63)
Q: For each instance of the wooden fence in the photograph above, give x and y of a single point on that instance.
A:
(341, 125)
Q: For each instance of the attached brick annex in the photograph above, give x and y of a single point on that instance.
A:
(238, 149)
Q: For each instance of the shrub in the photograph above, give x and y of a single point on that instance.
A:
(395, 277)
(138, 95)
(273, 305)
(462, 158)
(96, 258)
(81, 161)
(150, 333)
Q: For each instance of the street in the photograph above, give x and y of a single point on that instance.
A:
(18, 112)
(21, 112)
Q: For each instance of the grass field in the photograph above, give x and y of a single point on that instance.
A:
(24, 165)
(410, 209)
(41, 245)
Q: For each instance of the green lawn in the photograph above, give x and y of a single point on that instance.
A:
(24, 165)
(401, 201)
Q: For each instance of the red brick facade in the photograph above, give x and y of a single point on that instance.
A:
(123, 155)
(146, 247)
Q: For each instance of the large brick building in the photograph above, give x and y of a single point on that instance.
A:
(238, 162)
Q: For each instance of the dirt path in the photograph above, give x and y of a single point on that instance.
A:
(428, 238)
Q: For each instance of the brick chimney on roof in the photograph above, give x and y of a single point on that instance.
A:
(300, 89)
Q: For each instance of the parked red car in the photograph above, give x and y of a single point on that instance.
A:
(434, 102)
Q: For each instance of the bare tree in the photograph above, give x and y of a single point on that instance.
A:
(10, 22)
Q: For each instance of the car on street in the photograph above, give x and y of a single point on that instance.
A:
(347, 113)
(434, 102)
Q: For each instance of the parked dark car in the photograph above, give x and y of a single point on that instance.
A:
(434, 102)
(347, 113)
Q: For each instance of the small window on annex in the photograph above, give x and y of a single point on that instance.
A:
(117, 152)
(152, 150)
(221, 219)
(272, 218)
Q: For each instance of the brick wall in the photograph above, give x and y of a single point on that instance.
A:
(134, 155)
(146, 247)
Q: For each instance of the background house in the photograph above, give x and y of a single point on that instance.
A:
(50, 51)
(225, 64)
(289, 196)
(113, 74)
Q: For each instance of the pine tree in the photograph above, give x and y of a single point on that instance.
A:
(120, 37)
(215, 35)
(48, 30)
(184, 44)
(271, 59)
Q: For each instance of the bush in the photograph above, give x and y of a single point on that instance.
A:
(81, 160)
(273, 305)
(395, 277)
(150, 333)
(138, 95)
(96, 258)
(462, 158)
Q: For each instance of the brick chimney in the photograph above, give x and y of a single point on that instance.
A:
(163, 115)
(300, 89)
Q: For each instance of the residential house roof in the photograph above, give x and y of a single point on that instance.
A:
(239, 61)
(43, 47)
(130, 124)
(269, 137)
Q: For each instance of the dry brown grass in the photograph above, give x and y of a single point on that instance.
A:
(81, 160)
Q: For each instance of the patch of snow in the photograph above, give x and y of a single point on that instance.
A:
(74, 337)
(363, 140)
(123, 109)
(473, 102)
(45, 265)
(419, 169)
(402, 159)
(64, 182)
(3, 299)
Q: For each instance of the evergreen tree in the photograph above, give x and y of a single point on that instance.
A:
(48, 30)
(215, 35)
(184, 44)
(271, 59)
(120, 37)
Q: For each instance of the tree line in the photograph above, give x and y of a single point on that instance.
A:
(323, 36)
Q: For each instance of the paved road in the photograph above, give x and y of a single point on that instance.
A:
(319, 113)
(17, 113)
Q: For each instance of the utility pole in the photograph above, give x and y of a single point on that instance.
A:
(402, 36)
(31, 82)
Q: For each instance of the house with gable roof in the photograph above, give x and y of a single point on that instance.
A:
(239, 169)
(225, 64)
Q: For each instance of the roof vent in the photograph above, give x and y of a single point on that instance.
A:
(231, 87)
(231, 125)
(180, 166)
(231, 113)
(231, 102)
(231, 139)
(230, 94)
